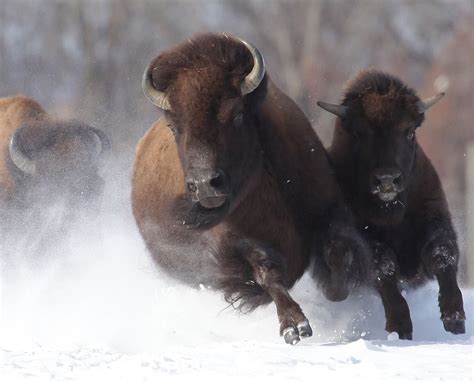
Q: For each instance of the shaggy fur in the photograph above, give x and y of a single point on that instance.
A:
(259, 242)
(412, 236)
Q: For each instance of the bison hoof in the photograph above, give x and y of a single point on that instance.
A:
(304, 329)
(454, 325)
(405, 336)
(293, 334)
(404, 329)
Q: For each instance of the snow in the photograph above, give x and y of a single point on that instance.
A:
(251, 360)
(100, 311)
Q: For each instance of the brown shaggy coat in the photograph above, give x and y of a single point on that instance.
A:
(375, 155)
(259, 244)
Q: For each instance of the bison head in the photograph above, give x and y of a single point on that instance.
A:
(376, 130)
(58, 158)
(209, 89)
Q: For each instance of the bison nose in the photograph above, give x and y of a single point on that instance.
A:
(214, 181)
(390, 179)
(210, 190)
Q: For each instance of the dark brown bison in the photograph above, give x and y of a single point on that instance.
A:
(46, 163)
(221, 189)
(396, 194)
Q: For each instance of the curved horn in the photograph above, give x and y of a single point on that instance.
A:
(425, 104)
(253, 79)
(19, 159)
(104, 145)
(156, 97)
(338, 110)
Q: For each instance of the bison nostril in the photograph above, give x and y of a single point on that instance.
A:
(191, 187)
(217, 180)
(397, 180)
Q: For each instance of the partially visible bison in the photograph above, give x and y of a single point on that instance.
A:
(46, 163)
(396, 195)
(223, 189)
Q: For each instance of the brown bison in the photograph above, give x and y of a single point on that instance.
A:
(221, 189)
(396, 195)
(45, 162)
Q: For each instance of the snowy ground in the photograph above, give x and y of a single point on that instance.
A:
(101, 312)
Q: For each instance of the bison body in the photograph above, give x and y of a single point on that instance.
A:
(221, 190)
(396, 195)
(46, 165)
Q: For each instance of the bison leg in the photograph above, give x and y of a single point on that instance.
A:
(397, 313)
(440, 259)
(268, 273)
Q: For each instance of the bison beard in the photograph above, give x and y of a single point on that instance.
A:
(192, 215)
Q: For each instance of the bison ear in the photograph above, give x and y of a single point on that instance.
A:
(425, 104)
(339, 110)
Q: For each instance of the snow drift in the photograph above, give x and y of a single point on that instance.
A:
(97, 308)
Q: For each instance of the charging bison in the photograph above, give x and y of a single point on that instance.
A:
(396, 194)
(46, 163)
(223, 190)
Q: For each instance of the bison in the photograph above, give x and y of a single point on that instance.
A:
(396, 195)
(223, 190)
(46, 163)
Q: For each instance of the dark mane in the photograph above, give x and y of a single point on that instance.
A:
(199, 53)
(375, 81)
(379, 94)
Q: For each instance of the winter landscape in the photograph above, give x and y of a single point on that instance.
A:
(102, 312)
(96, 308)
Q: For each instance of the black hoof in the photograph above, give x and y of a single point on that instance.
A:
(304, 329)
(455, 326)
(291, 336)
(405, 336)
(454, 322)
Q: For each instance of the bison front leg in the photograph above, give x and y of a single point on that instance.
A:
(397, 313)
(269, 272)
(342, 265)
(293, 323)
(440, 258)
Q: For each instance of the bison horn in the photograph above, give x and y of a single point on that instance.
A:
(19, 159)
(155, 96)
(104, 145)
(253, 79)
(425, 104)
(339, 110)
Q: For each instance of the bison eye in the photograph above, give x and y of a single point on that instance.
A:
(173, 129)
(238, 119)
(410, 135)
